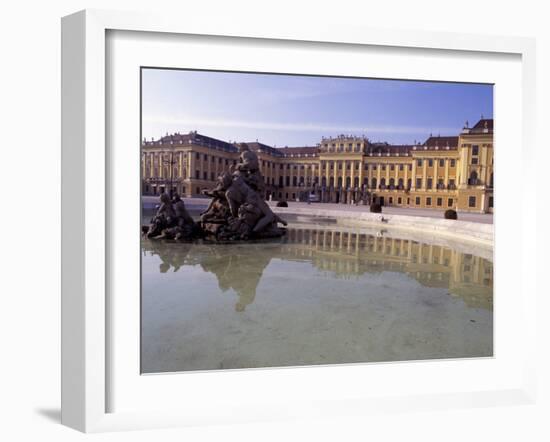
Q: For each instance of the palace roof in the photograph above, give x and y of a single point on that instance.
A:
(378, 148)
(193, 138)
(299, 151)
(255, 146)
(485, 125)
(388, 149)
(440, 143)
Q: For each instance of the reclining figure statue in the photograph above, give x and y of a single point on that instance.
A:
(172, 221)
(238, 212)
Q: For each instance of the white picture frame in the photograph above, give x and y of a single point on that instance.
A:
(86, 316)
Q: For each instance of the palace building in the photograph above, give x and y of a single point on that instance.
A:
(442, 172)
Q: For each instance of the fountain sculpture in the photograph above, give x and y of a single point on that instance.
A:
(237, 210)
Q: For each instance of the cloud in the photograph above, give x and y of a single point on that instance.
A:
(189, 123)
(300, 88)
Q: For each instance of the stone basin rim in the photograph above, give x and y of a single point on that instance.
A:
(480, 233)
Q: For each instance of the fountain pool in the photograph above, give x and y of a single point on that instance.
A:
(323, 294)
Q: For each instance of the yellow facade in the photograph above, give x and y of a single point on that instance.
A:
(443, 172)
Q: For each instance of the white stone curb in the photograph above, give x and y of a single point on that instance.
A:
(464, 230)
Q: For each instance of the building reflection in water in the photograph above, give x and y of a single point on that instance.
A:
(345, 254)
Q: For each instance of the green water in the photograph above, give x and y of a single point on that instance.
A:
(318, 296)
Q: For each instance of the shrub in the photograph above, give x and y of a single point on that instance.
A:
(282, 204)
(451, 214)
(376, 208)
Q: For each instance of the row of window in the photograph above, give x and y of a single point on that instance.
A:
(341, 147)
(373, 167)
(419, 162)
(472, 200)
(392, 183)
(213, 159)
(165, 172)
(428, 201)
(300, 181)
(286, 180)
(438, 201)
(294, 166)
(356, 166)
(440, 183)
(430, 162)
(296, 181)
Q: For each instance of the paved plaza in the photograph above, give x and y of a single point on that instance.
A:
(200, 203)
(486, 218)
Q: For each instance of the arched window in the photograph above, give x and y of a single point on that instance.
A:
(294, 181)
(473, 178)
(324, 181)
(331, 181)
(392, 183)
(382, 183)
(400, 183)
(373, 183)
(348, 181)
(356, 182)
(339, 181)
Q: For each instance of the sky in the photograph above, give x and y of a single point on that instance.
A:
(290, 110)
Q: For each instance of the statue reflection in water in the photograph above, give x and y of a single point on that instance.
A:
(342, 253)
(238, 271)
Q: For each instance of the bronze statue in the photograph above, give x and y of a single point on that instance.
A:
(172, 221)
(237, 210)
(249, 168)
(163, 219)
(246, 204)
